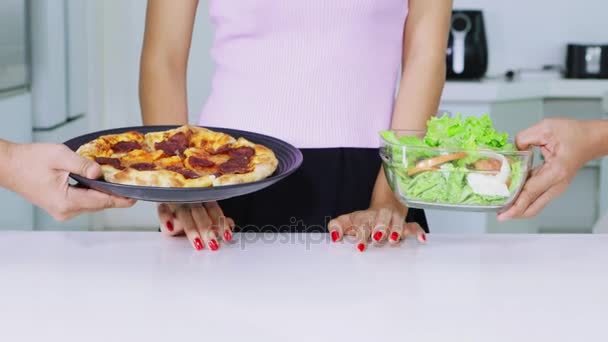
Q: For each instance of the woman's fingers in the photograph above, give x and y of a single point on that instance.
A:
(340, 226)
(185, 221)
(165, 215)
(364, 231)
(204, 226)
(414, 229)
(219, 221)
(397, 226)
(382, 224)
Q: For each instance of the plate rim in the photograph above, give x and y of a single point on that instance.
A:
(150, 128)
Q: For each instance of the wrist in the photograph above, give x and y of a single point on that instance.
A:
(6, 156)
(597, 131)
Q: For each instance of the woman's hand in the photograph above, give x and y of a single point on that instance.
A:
(385, 219)
(203, 224)
(381, 222)
(566, 146)
(40, 173)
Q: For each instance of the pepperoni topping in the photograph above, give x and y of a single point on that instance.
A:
(143, 166)
(126, 146)
(223, 149)
(200, 162)
(239, 152)
(177, 144)
(188, 174)
(235, 166)
(115, 163)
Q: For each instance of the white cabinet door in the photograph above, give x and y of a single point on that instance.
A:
(77, 56)
(16, 118)
(48, 56)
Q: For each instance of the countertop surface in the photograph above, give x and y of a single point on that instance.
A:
(501, 90)
(59, 286)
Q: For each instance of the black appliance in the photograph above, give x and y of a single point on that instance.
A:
(587, 61)
(467, 54)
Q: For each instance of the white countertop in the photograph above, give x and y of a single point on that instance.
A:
(500, 90)
(144, 287)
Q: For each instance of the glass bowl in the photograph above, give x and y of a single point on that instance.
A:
(454, 179)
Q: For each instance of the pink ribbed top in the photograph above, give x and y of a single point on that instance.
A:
(316, 73)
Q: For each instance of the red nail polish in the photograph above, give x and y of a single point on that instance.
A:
(169, 226)
(227, 235)
(174, 215)
(198, 244)
(394, 236)
(423, 236)
(361, 247)
(335, 236)
(377, 236)
(213, 245)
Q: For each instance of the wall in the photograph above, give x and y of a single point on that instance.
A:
(529, 34)
(521, 34)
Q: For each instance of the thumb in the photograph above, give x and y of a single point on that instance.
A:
(536, 135)
(74, 163)
(339, 226)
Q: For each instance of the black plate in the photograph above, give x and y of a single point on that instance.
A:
(290, 159)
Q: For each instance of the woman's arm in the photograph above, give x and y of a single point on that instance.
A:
(424, 52)
(567, 145)
(40, 173)
(164, 61)
(422, 79)
(423, 73)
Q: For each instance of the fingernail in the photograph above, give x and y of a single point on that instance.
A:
(335, 236)
(174, 215)
(361, 247)
(213, 245)
(423, 237)
(169, 226)
(227, 235)
(198, 244)
(377, 236)
(394, 236)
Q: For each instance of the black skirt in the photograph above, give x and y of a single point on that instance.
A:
(330, 182)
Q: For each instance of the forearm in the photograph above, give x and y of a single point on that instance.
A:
(423, 75)
(423, 63)
(163, 95)
(419, 92)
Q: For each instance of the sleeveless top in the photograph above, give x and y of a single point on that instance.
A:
(315, 73)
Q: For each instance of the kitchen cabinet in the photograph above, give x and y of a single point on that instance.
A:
(61, 33)
(16, 118)
(514, 107)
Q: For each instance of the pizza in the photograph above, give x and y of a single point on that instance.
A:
(185, 157)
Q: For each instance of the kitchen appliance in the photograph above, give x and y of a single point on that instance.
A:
(467, 53)
(587, 61)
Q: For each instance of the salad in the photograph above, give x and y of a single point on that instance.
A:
(456, 161)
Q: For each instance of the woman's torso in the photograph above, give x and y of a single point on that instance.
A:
(316, 73)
